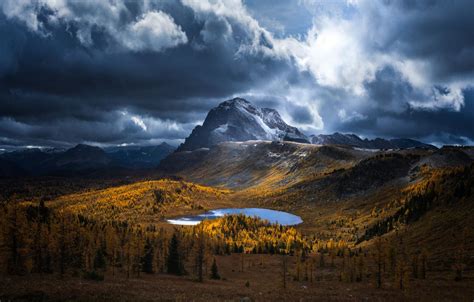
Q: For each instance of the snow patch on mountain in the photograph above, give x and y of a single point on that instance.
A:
(239, 120)
(222, 128)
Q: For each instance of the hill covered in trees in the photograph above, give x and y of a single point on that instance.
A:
(384, 223)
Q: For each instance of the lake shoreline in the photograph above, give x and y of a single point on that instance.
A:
(272, 216)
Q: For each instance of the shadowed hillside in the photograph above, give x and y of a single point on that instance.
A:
(254, 163)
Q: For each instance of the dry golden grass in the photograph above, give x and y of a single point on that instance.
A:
(264, 284)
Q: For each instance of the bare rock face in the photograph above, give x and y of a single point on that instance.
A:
(239, 120)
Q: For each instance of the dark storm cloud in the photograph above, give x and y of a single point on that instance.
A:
(51, 78)
(301, 115)
(437, 31)
(61, 66)
(140, 71)
(388, 113)
(428, 41)
(390, 90)
(440, 126)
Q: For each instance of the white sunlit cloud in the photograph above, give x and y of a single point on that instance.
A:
(346, 53)
(152, 31)
(350, 117)
(139, 122)
(147, 127)
(155, 30)
(335, 57)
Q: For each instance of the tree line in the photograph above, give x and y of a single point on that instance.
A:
(440, 187)
(37, 239)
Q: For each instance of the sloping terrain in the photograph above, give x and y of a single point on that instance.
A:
(143, 202)
(377, 143)
(433, 216)
(340, 192)
(349, 200)
(447, 157)
(139, 156)
(257, 163)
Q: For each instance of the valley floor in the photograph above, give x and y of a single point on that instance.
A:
(261, 280)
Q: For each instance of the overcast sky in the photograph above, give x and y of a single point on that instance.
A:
(142, 72)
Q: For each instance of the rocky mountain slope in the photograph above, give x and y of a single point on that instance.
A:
(377, 143)
(239, 120)
(332, 172)
(252, 163)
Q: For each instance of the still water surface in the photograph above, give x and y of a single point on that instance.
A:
(272, 216)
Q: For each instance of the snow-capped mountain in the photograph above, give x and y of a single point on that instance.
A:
(239, 120)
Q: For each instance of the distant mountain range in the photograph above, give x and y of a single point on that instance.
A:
(80, 160)
(140, 156)
(377, 143)
(239, 120)
(235, 120)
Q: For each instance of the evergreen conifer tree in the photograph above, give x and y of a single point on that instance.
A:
(147, 259)
(214, 270)
(174, 263)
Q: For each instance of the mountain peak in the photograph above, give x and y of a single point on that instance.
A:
(83, 148)
(239, 120)
(235, 102)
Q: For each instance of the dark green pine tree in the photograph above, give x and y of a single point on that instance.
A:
(99, 259)
(43, 212)
(174, 263)
(214, 270)
(147, 259)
